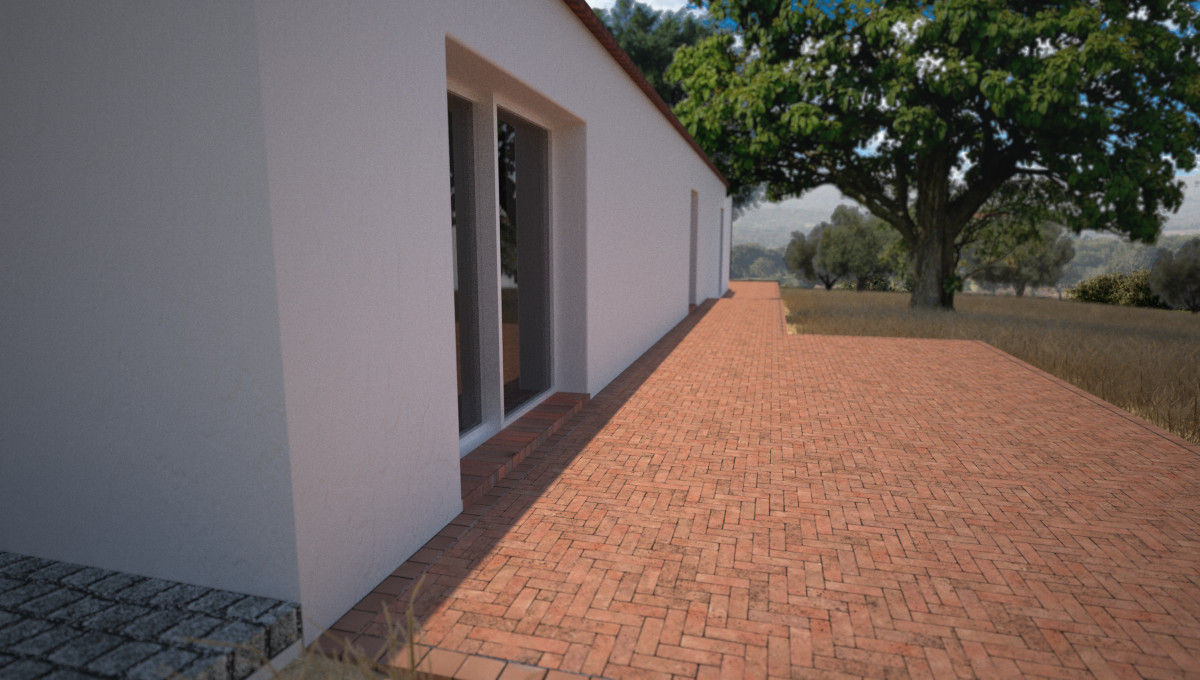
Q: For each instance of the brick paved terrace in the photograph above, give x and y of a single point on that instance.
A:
(746, 503)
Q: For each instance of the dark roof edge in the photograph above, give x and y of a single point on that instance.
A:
(585, 14)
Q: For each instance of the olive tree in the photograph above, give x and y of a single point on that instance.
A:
(1175, 278)
(920, 111)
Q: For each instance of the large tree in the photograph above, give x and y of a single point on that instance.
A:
(650, 38)
(1016, 237)
(1176, 277)
(853, 245)
(800, 251)
(998, 258)
(920, 111)
(753, 261)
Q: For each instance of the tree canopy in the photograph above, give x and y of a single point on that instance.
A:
(752, 261)
(851, 244)
(921, 111)
(650, 38)
(1001, 257)
(800, 251)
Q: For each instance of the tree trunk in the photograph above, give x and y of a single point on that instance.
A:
(933, 269)
(934, 254)
(1019, 288)
(860, 284)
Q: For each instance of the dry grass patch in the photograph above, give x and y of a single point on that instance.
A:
(402, 659)
(1146, 361)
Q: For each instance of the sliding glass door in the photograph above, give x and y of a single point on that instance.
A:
(463, 237)
(512, 374)
(523, 162)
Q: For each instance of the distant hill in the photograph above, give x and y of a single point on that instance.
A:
(771, 224)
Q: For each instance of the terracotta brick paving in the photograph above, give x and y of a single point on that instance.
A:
(742, 502)
(499, 456)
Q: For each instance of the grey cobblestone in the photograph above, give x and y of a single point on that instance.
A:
(209, 667)
(179, 595)
(7, 558)
(26, 669)
(67, 621)
(45, 642)
(112, 584)
(21, 630)
(68, 674)
(142, 593)
(247, 643)
(165, 664)
(214, 603)
(54, 600)
(115, 617)
(20, 595)
(86, 577)
(80, 609)
(249, 608)
(124, 657)
(23, 567)
(54, 572)
(195, 627)
(84, 649)
(151, 626)
(283, 627)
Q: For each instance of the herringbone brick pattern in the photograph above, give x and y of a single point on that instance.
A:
(742, 502)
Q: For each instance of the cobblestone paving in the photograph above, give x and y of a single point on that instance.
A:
(745, 503)
(60, 621)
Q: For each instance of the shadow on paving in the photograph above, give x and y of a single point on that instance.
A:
(486, 523)
(742, 502)
(464, 548)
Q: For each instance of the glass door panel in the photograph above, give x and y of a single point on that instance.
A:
(466, 279)
(523, 164)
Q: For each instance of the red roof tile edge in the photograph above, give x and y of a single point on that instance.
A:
(582, 10)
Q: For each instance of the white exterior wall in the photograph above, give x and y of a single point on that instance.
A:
(355, 107)
(141, 415)
(355, 104)
(640, 173)
(297, 254)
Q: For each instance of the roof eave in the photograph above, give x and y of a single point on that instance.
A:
(584, 12)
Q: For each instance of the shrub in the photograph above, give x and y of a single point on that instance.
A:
(877, 283)
(1135, 291)
(1131, 289)
(1102, 289)
(1176, 277)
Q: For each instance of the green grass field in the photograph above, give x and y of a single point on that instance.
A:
(1146, 361)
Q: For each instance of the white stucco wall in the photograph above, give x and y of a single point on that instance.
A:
(355, 106)
(354, 102)
(141, 414)
(229, 335)
(639, 175)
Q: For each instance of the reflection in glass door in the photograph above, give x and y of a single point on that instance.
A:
(466, 278)
(523, 164)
